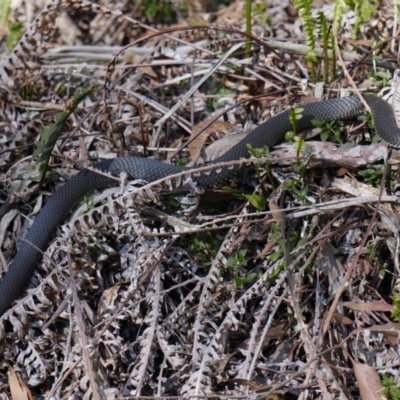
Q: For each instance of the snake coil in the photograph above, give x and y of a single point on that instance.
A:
(267, 134)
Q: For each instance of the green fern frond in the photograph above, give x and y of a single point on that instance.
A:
(327, 44)
(304, 9)
(363, 11)
(340, 9)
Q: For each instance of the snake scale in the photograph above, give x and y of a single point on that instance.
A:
(267, 134)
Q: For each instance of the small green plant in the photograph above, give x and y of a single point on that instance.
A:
(363, 11)
(29, 92)
(291, 242)
(205, 246)
(296, 188)
(257, 201)
(383, 268)
(259, 153)
(95, 245)
(396, 309)
(276, 236)
(390, 389)
(295, 115)
(238, 261)
(4, 12)
(221, 92)
(318, 28)
(50, 134)
(327, 44)
(330, 131)
(278, 254)
(373, 137)
(368, 119)
(299, 144)
(181, 161)
(238, 264)
(153, 9)
(380, 78)
(260, 14)
(241, 281)
(304, 8)
(62, 91)
(183, 9)
(89, 205)
(372, 176)
(16, 30)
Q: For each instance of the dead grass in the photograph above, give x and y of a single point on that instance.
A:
(230, 302)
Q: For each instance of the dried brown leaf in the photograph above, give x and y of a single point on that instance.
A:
(108, 297)
(368, 307)
(342, 171)
(19, 390)
(342, 319)
(368, 381)
(197, 145)
(174, 145)
(390, 332)
(360, 42)
(276, 212)
(268, 247)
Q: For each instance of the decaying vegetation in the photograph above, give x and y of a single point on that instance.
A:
(282, 284)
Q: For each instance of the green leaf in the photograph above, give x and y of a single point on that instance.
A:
(299, 145)
(230, 262)
(240, 257)
(257, 153)
(16, 30)
(238, 281)
(289, 136)
(257, 201)
(49, 135)
(363, 11)
(390, 390)
(312, 57)
(251, 277)
(396, 309)
(4, 11)
(275, 256)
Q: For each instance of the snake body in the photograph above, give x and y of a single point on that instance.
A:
(267, 134)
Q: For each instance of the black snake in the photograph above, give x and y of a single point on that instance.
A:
(266, 135)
